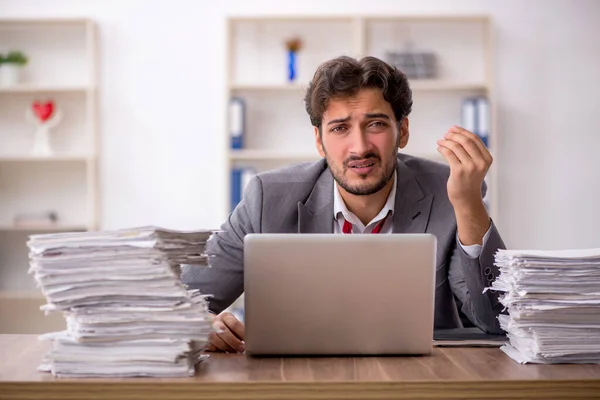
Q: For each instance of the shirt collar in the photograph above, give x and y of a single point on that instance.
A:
(340, 209)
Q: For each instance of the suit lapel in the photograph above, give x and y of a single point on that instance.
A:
(412, 207)
(316, 215)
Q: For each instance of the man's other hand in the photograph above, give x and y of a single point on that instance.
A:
(228, 336)
(469, 162)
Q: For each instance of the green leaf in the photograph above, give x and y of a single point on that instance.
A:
(14, 57)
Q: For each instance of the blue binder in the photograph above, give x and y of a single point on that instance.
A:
(236, 187)
(476, 117)
(483, 120)
(237, 122)
(240, 177)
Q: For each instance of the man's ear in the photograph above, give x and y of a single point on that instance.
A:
(319, 142)
(403, 132)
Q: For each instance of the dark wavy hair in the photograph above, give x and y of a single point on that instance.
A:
(345, 76)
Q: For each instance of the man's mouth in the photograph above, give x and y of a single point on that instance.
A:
(361, 164)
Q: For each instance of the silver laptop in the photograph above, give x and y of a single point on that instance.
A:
(328, 294)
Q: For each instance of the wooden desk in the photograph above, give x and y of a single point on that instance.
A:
(448, 373)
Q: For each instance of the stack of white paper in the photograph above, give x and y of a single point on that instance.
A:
(553, 303)
(127, 312)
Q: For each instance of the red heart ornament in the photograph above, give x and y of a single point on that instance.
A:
(43, 111)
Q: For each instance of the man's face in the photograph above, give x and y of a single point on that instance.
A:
(360, 140)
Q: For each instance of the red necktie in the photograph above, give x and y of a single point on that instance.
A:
(347, 228)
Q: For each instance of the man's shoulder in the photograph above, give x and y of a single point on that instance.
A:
(280, 192)
(431, 175)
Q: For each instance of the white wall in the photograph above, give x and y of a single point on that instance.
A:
(162, 107)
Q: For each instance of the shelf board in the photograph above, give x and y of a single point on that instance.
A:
(432, 17)
(30, 88)
(58, 158)
(439, 18)
(415, 84)
(43, 228)
(442, 85)
(293, 18)
(272, 155)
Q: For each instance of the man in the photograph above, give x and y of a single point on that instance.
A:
(359, 110)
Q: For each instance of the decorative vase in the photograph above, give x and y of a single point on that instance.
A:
(9, 74)
(41, 142)
(291, 65)
(44, 116)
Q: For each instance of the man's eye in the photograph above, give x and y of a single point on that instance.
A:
(379, 124)
(338, 129)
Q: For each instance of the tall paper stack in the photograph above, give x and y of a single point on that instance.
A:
(127, 312)
(553, 303)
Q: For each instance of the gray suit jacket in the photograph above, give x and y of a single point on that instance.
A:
(300, 199)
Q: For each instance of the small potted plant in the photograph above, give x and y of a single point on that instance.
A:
(10, 67)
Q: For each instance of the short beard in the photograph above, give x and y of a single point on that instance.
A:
(362, 190)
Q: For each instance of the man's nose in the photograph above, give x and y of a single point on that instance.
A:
(360, 143)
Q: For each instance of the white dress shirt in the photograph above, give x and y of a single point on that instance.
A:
(341, 213)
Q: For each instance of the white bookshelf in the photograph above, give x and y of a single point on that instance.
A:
(278, 130)
(62, 67)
